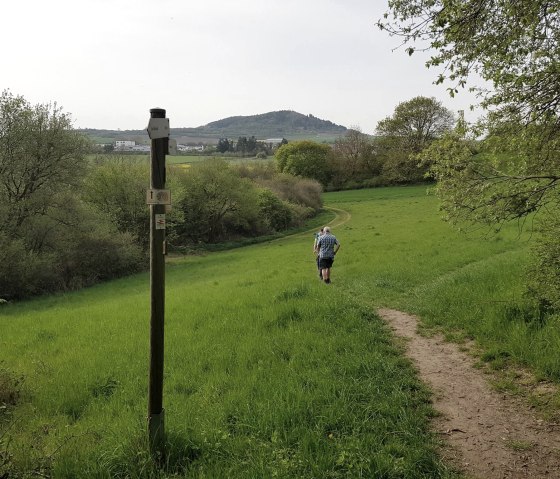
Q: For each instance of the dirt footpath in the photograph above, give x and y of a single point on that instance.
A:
(490, 435)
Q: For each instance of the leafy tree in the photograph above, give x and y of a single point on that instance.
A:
(241, 146)
(416, 123)
(252, 144)
(41, 156)
(305, 158)
(499, 179)
(544, 280)
(49, 238)
(117, 188)
(412, 127)
(215, 203)
(355, 157)
(398, 166)
(515, 46)
(224, 145)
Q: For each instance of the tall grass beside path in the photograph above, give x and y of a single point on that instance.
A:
(469, 286)
(268, 371)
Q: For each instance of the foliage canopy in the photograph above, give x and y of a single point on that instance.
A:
(40, 156)
(305, 158)
(416, 123)
(512, 44)
(515, 46)
(49, 238)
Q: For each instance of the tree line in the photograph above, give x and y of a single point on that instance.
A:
(389, 157)
(247, 146)
(68, 220)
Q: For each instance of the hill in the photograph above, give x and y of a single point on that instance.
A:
(277, 124)
(269, 125)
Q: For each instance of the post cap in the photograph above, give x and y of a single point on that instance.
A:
(157, 113)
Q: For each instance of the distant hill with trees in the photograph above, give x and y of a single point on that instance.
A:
(277, 124)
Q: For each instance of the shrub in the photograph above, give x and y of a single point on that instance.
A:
(256, 171)
(117, 188)
(305, 192)
(100, 256)
(544, 272)
(215, 203)
(276, 213)
(81, 253)
(305, 158)
(300, 214)
(22, 272)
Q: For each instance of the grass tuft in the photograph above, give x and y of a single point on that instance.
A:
(293, 293)
(10, 388)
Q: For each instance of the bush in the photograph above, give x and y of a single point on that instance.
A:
(300, 214)
(256, 171)
(99, 257)
(117, 189)
(544, 272)
(305, 158)
(276, 213)
(22, 272)
(85, 251)
(215, 204)
(305, 192)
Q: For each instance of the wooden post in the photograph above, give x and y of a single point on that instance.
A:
(156, 429)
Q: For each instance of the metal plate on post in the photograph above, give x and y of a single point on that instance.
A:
(160, 221)
(158, 197)
(158, 128)
(172, 147)
(156, 431)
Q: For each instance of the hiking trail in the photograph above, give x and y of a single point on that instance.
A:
(490, 435)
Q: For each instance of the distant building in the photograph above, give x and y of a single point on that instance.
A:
(141, 148)
(124, 144)
(190, 148)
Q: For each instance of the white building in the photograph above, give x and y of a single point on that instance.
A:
(190, 148)
(124, 144)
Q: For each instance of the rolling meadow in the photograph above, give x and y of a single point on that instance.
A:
(268, 371)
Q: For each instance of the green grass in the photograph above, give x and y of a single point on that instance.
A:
(177, 159)
(264, 377)
(268, 372)
(457, 282)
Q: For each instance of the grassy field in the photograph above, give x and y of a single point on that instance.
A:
(268, 371)
(182, 160)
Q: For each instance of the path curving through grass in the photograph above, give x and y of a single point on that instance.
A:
(268, 372)
(490, 435)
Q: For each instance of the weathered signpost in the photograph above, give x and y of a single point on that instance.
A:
(157, 197)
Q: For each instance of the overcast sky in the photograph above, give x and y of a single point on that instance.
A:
(107, 62)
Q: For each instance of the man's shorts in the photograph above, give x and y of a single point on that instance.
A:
(325, 263)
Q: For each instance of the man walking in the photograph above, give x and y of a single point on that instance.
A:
(317, 236)
(327, 246)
